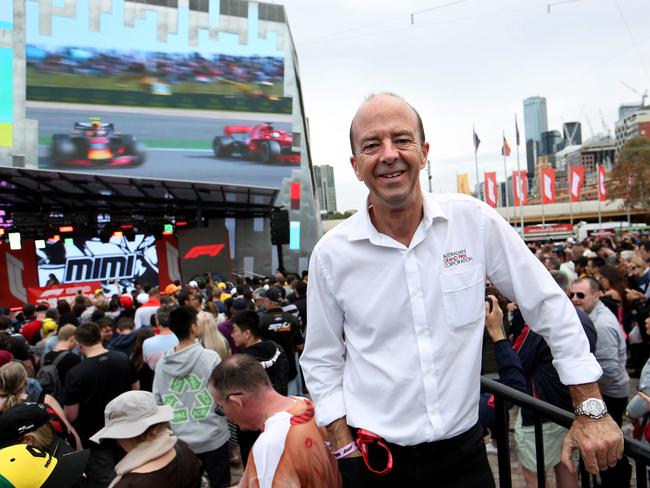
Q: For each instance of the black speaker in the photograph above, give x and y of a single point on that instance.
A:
(279, 227)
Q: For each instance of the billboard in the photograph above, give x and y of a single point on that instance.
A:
(131, 92)
(81, 261)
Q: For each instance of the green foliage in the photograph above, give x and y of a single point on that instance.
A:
(630, 177)
(339, 215)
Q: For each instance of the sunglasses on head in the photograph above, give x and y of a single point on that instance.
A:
(579, 294)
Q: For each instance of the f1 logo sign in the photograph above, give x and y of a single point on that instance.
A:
(205, 250)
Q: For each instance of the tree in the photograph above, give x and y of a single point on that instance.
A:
(630, 176)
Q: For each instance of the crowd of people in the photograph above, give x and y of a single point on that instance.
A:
(381, 389)
(126, 379)
(607, 279)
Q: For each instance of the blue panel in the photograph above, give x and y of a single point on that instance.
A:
(294, 236)
(6, 14)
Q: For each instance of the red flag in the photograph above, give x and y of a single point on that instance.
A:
(520, 187)
(505, 149)
(576, 178)
(548, 185)
(491, 189)
(602, 191)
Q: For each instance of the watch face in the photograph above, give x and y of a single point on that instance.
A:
(593, 407)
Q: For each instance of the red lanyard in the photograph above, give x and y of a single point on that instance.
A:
(364, 438)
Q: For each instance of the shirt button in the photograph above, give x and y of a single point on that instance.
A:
(427, 371)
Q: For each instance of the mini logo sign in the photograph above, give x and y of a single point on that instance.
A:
(206, 250)
(454, 258)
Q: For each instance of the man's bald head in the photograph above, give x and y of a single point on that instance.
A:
(420, 125)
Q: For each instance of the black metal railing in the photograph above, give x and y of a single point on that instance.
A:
(504, 395)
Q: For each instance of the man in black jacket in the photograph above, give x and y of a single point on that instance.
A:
(283, 328)
(544, 382)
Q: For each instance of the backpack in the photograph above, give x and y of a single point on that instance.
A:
(48, 377)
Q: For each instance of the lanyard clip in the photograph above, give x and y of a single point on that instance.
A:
(364, 439)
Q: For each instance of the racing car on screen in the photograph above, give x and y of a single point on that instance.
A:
(261, 142)
(96, 143)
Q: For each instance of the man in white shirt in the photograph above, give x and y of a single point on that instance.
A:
(396, 305)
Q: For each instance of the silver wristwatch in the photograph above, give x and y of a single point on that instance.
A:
(592, 407)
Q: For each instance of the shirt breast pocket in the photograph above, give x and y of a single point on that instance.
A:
(463, 296)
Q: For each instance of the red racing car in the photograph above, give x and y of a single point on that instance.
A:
(261, 143)
(96, 143)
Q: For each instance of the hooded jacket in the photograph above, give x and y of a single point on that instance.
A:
(122, 343)
(181, 381)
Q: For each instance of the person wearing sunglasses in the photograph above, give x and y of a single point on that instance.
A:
(611, 355)
(292, 450)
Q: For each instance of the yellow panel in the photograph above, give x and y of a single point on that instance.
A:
(6, 135)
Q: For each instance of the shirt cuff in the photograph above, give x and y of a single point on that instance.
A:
(330, 408)
(578, 371)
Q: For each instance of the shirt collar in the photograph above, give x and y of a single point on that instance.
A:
(364, 229)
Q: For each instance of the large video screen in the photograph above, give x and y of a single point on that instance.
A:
(82, 260)
(144, 98)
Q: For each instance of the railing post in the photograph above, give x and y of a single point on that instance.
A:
(502, 425)
(641, 474)
(539, 451)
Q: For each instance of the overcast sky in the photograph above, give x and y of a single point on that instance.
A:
(465, 62)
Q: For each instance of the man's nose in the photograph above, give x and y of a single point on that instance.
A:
(389, 152)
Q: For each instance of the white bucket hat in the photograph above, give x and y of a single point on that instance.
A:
(130, 414)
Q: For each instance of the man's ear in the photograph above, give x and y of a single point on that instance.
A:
(425, 155)
(355, 167)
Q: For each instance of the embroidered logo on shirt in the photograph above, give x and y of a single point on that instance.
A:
(454, 258)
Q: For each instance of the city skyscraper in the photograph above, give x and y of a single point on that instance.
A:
(572, 132)
(325, 188)
(535, 122)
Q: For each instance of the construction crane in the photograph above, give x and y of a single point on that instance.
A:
(602, 121)
(643, 95)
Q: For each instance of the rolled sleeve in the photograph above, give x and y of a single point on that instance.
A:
(579, 370)
(522, 278)
(323, 359)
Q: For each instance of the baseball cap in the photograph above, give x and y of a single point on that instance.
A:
(193, 284)
(19, 420)
(42, 307)
(5, 357)
(142, 298)
(130, 414)
(240, 304)
(274, 294)
(221, 285)
(171, 289)
(126, 301)
(23, 466)
(49, 325)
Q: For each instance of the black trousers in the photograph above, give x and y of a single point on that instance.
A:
(459, 462)
(620, 475)
(217, 466)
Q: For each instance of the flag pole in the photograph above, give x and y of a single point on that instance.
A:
(570, 196)
(519, 184)
(505, 175)
(541, 179)
(479, 191)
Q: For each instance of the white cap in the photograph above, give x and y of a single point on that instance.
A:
(193, 284)
(142, 298)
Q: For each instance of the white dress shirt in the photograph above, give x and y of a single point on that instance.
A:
(395, 332)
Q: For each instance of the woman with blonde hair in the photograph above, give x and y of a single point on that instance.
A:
(13, 391)
(210, 336)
